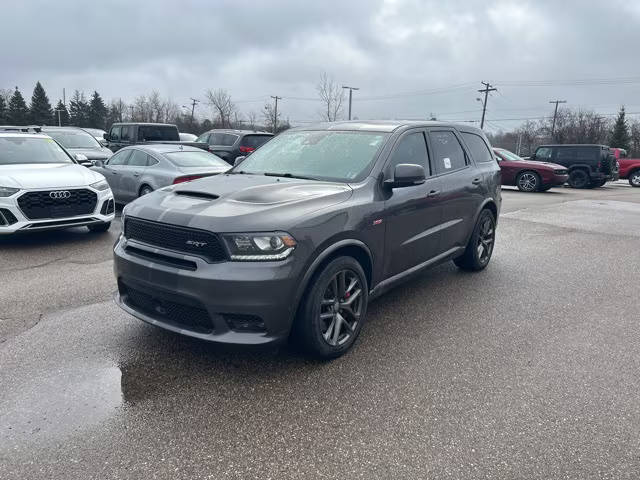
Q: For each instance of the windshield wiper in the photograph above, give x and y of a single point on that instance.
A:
(288, 175)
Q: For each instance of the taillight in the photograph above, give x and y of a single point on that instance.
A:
(188, 178)
(247, 149)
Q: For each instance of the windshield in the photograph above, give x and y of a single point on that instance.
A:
(196, 159)
(510, 155)
(19, 150)
(327, 155)
(73, 138)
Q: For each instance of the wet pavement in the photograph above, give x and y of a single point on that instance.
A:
(529, 369)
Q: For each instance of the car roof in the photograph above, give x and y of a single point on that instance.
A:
(574, 145)
(145, 123)
(22, 134)
(164, 148)
(385, 125)
(238, 131)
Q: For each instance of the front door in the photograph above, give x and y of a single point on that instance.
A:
(113, 170)
(132, 175)
(413, 214)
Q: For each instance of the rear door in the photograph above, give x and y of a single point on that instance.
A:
(130, 180)
(463, 187)
(412, 214)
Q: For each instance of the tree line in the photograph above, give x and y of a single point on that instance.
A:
(572, 126)
(93, 112)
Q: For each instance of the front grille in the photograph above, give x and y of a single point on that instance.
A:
(560, 171)
(177, 311)
(185, 240)
(6, 217)
(57, 203)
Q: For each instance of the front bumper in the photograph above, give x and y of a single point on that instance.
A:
(248, 303)
(15, 221)
(556, 179)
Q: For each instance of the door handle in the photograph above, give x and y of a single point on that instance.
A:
(114, 172)
(476, 181)
(433, 193)
(136, 174)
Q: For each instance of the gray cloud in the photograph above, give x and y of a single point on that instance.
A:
(255, 49)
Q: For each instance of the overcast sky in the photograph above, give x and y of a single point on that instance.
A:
(410, 58)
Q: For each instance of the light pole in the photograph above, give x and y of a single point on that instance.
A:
(351, 89)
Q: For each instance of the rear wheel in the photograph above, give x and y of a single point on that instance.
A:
(480, 247)
(578, 178)
(99, 227)
(634, 178)
(145, 190)
(334, 309)
(528, 181)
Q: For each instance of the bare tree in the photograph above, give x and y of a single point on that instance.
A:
(331, 94)
(222, 106)
(252, 120)
(269, 115)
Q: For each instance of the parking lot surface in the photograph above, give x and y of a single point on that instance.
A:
(528, 369)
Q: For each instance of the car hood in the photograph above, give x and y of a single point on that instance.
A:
(92, 153)
(47, 175)
(235, 203)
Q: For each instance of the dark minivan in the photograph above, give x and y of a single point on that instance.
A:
(296, 239)
(230, 144)
(589, 166)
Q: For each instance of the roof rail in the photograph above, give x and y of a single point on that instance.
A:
(21, 128)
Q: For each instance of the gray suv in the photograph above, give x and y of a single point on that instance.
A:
(296, 239)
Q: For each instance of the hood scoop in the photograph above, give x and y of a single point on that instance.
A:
(200, 195)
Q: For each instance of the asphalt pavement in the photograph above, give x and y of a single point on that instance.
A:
(529, 369)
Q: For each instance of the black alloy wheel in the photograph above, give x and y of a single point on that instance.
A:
(480, 247)
(341, 307)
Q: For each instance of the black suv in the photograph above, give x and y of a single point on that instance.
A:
(299, 236)
(589, 166)
(122, 135)
(230, 144)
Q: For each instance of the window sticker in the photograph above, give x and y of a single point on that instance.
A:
(447, 162)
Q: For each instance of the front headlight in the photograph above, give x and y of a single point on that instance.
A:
(101, 185)
(8, 191)
(253, 247)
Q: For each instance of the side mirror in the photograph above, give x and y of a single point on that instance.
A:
(238, 160)
(97, 163)
(406, 175)
(105, 135)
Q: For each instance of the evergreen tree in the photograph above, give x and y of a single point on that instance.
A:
(3, 111)
(97, 112)
(620, 137)
(79, 110)
(18, 113)
(40, 110)
(61, 109)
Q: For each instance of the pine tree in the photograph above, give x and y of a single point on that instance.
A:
(40, 110)
(79, 110)
(3, 111)
(97, 112)
(620, 137)
(64, 114)
(18, 113)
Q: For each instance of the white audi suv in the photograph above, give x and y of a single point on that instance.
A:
(43, 187)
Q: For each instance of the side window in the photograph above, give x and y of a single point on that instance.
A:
(228, 139)
(411, 149)
(478, 148)
(138, 159)
(216, 139)
(120, 158)
(114, 135)
(565, 154)
(126, 134)
(151, 161)
(447, 152)
(587, 154)
(543, 154)
(203, 138)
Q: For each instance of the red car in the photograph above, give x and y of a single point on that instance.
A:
(527, 175)
(629, 167)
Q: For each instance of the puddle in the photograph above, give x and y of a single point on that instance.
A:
(64, 403)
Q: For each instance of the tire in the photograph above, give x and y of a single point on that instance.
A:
(578, 178)
(99, 227)
(145, 190)
(484, 235)
(528, 181)
(634, 178)
(322, 309)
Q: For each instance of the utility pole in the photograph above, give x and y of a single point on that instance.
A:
(351, 89)
(275, 114)
(59, 121)
(194, 102)
(487, 88)
(131, 107)
(64, 98)
(555, 114)
(519, 144)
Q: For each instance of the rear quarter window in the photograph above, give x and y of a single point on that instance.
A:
(479, 149)
(157, 133)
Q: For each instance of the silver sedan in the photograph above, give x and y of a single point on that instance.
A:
(137, 170)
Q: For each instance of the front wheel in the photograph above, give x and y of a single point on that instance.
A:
(634, 178)
(145, 190)
(480, 247)
(528, 181)
(99, 227)
(334, 309)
